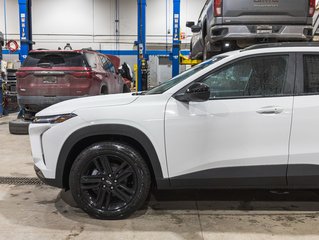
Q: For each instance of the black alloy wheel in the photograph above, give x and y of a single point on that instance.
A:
(110, 180)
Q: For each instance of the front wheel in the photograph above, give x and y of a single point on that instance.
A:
(110, 180)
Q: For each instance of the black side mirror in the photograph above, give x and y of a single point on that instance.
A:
(196, 28)
(126, 72)
(197, 92)
(121, 72)
(190, 24)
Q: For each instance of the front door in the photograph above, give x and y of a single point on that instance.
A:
(240, 136)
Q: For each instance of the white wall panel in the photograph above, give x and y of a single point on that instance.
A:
(12, 11)
(62, 16)
(86, 23)
(103, 17)
(128, 17)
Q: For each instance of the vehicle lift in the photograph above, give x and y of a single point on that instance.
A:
(143, 54)
(1, 94)
(25, 20)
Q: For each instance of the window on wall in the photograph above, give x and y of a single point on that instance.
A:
(257, 77)
(311, 74)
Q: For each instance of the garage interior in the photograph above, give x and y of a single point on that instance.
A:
(140, 33)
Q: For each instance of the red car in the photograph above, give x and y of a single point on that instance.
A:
(48, 77)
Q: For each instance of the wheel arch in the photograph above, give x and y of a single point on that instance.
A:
(87, 136)
(104, 89)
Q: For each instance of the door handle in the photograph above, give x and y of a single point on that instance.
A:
(270, 110)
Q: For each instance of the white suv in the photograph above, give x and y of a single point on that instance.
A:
(244, 119)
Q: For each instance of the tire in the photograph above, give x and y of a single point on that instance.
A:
(206, 55)
(126, 89)
(104, 90)
(19, 127)
(109, 180)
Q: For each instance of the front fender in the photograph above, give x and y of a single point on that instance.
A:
(112, 130)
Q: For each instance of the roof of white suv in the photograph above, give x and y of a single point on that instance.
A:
(282, 45)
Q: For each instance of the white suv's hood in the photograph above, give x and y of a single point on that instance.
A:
(70, 106)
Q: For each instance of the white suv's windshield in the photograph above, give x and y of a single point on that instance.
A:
(174, 81)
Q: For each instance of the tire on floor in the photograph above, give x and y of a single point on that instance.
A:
(19, 127)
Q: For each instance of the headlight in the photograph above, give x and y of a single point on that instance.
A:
(54, 119)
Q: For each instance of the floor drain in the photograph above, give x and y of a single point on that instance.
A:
(20, 181)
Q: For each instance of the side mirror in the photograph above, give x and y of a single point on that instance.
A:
(121, 72)
(125, 71)
(197, 92)
(190, 24)
(196, 28)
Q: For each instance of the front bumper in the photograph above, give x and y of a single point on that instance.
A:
(47, 141)
(278, 32)
(51, 182)
(38, 103)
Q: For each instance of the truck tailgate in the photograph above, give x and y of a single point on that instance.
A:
(265, 11)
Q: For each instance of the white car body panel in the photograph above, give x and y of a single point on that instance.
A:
(149, 119)
(96, 101)
(206, 131)
(52, 138)
(304, 141)
(145, 114)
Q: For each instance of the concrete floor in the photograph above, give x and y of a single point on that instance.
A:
(43, 212)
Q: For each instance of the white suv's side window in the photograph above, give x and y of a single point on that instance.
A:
(257, 77)
(311, 74)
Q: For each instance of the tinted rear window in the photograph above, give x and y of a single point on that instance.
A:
(311, 74)
(58, 59)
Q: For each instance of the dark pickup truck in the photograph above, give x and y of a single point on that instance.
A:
(225, 25)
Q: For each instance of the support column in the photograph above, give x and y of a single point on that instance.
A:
(1, 96)
(176, 38)
(141, 41)
(25, 28)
